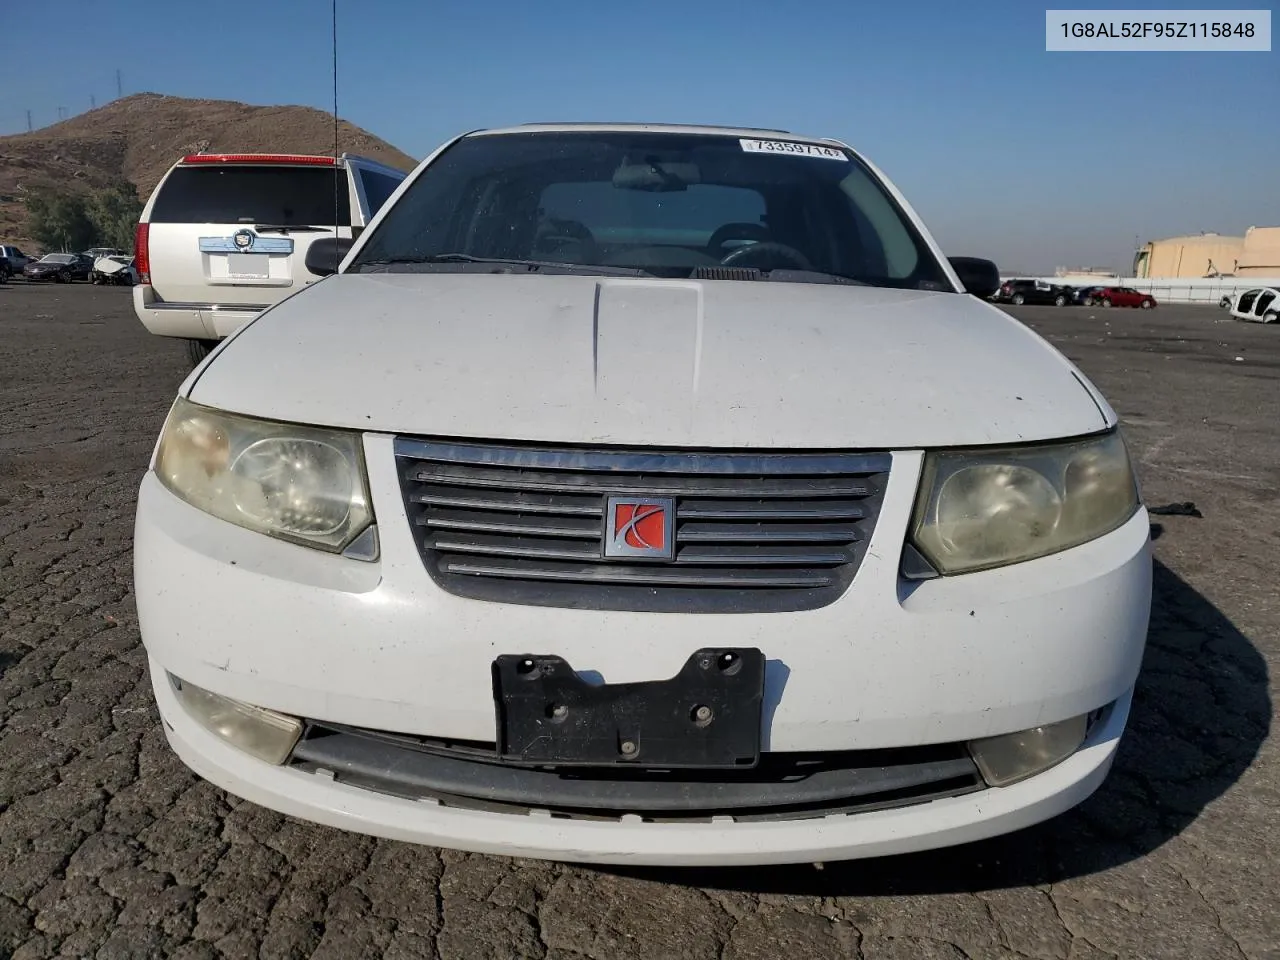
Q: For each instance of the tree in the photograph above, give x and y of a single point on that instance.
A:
(59, 221)
(114, 213)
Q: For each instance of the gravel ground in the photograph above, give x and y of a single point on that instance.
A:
(110, 848)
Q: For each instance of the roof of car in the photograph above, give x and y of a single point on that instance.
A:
(564, 127)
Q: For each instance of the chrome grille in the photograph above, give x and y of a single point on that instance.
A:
(754, 532)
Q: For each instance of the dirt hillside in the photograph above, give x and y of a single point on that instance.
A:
(138, 138)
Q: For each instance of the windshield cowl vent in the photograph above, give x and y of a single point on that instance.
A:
(725, 273)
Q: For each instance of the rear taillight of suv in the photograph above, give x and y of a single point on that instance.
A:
(141, 255)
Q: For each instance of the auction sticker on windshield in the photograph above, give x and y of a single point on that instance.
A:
(795, 149)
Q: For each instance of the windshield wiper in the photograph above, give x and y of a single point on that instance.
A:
(286, 228)
(789, 275)
(448, 260)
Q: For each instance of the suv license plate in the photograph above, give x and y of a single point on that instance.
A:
(248, 266)
(708, 715)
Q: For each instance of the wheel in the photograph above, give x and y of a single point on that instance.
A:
(197, 350)
(64, 276)
(1059, 301)
(1106, 302)
(1017, 299)
(1224, 302)
(1147, 304)
(1270, 316)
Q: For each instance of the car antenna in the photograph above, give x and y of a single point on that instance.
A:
(337, 259)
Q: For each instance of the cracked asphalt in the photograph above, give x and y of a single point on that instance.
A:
(109, 848)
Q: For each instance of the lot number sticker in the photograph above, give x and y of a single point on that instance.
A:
(794, 149)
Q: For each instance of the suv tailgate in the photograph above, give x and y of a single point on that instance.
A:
(237, 233)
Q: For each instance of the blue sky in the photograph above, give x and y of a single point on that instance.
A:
(1035, 159)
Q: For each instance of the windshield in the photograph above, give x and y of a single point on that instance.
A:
(668, 204)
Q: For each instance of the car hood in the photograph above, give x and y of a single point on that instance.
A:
(580, 359)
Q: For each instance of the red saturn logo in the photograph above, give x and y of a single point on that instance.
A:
(639, 528)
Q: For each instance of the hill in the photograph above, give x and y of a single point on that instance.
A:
(138, 137)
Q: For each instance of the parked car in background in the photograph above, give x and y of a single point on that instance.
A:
(114, 269)
(650, 495)
(1123, 297)
(1019, 292)
(1085, 296)
(1261, 305)
(59, 267)
(95, 253)
(224, 236)
(12, 260)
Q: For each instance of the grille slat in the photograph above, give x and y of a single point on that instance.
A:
(771, 556)
(673, 576)
(537, 526)
(637, 485)
(752, 532)
(464, 499)
(764, 533)
(763, 510)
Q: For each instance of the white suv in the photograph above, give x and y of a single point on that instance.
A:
(223, 236)
(645, 495)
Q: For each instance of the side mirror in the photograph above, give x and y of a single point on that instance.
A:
(979, 277)
(324, 255)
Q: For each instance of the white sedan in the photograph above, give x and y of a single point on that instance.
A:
(1259, 304)
(645, 495)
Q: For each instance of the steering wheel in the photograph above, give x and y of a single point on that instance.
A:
(756, 232)
(553, 231)
(766, 255)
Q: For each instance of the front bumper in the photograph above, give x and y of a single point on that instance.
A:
(925, 826)
(890, 664)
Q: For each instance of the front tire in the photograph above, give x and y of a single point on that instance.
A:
(1106, 303)
(197, 350)
(1017, 299)
(1059, 301)
(1147, 304)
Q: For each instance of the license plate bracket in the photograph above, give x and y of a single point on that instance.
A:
(708, 715)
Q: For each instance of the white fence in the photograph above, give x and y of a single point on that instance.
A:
(1171, 290)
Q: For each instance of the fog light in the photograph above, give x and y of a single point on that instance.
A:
(264, 734)
(1016, 756)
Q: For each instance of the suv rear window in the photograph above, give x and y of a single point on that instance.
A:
(283, 195)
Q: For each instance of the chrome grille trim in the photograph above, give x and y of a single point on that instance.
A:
(754, 532)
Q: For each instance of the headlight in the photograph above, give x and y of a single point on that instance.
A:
(302, 484)
(989, 508)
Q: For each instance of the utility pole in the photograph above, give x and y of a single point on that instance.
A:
(93, 102)
(119, 85)
(29, 127)
(62, 113)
